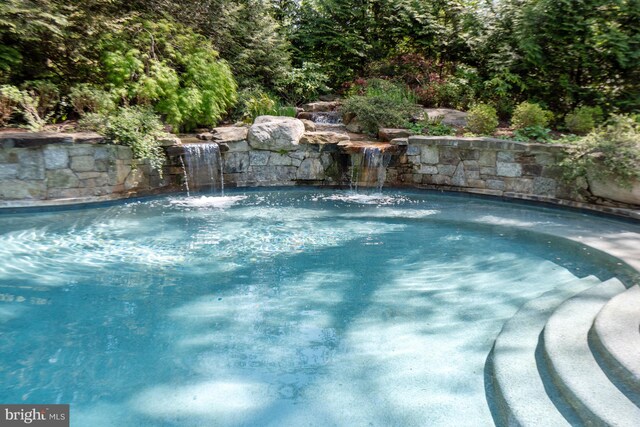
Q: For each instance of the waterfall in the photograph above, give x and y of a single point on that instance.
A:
(203, 167)
(326, 118)
(369, 168)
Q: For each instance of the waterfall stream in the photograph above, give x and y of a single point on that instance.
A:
(203, 167)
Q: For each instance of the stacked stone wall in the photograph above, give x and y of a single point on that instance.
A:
(482, 165)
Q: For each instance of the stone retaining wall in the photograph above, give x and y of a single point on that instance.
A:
(74, 166)
(38, 168)
(482, 165)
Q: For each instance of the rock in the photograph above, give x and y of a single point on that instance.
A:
(268, 119)
(309, 126)
(56, 157)
(321, 106)
(305, 116)
(323, 138)
(399, 141)
(169, 140)
(611, 190)
(310, 169)
(31, 164)
(449, 116)
(229, 134)
(275, 133)
(354, 126)
(346, 118)
(388, 134)
(205, 136)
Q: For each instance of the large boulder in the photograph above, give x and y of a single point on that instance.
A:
(449, 116)
(609, 189)
(323, 138)
(321, 106)
(388, 134)
(275, 133)
(226, 134)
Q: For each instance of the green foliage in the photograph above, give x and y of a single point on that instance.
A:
(610, 151)
(382, 105)
(303, 84)
(87, 98)
(482, 119)
(255, 102)
(432, 127)
(583, 119)
(451, 91)
(166, 66)
(530, 115)
(35, 110)
(533, 133)
(8, 103)
(435, 127)
(135, 127)
(571, 52)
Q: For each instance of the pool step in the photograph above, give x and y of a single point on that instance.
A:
(615, 337)
(518, 388)
(572, 366)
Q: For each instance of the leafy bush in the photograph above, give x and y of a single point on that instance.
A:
(87, 98)
(529, 115)
(452, 91)
(255, 102)
(432, 127)
(610, 151)
(535, 133)
(303, 84)
(7, 104)
(583, 119)
(382, 105)
(410, 68)
(174, 70)
(398, 93)
(46, 94)
(34, 111)
(136, 127)
(482, 119)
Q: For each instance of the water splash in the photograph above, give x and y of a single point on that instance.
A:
(203, 167)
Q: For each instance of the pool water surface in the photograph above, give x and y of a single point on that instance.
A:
(275, 307)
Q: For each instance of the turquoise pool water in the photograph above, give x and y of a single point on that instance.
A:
(281, 307)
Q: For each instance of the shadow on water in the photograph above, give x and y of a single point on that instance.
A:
(183, 326)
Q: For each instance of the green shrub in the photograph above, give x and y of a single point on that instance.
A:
(170, 68)
(87, 98)
(255, 102)
(35, 110)
(381, 104)
(432, 127)
(536, 133)
(609, 151)
(398, 93)
(482, 119)
(528, 115)
(583, 119)
(7, 104)
(303, 84)
(136, 127)
(46, 94)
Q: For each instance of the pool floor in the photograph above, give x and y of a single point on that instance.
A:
(301, 307)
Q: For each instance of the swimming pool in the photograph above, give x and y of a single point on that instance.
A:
(276, 307)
